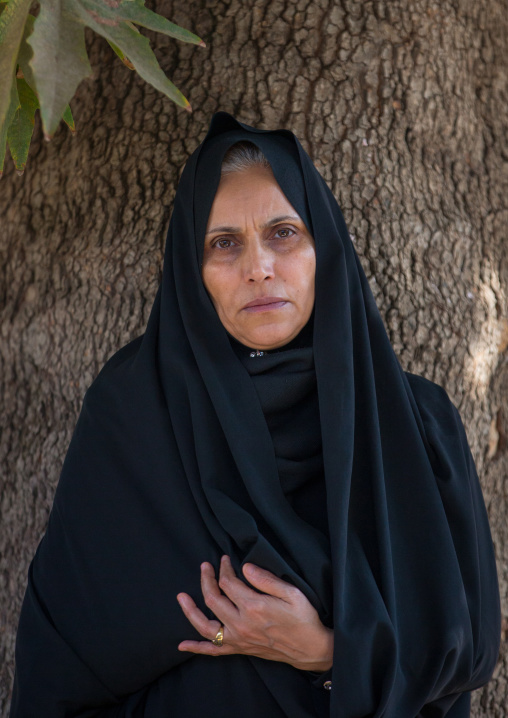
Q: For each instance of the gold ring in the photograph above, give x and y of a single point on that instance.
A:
(219, 638)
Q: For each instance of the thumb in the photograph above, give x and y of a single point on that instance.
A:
(268, 582)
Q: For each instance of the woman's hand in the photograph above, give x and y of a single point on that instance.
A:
(278, 625)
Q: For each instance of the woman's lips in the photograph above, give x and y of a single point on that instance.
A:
(265, 304)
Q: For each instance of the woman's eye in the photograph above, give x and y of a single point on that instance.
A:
(224, 243)
(286, 230)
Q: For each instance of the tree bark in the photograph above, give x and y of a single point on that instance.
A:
(403, 107)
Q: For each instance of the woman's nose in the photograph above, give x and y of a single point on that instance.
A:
(258, 264)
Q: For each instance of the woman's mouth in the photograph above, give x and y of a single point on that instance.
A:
(265, 304)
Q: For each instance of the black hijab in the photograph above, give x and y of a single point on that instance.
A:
(172, 463)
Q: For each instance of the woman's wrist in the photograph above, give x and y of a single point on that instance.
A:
(327, 659)
(323, 658)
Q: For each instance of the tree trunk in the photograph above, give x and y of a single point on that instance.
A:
(403, 107)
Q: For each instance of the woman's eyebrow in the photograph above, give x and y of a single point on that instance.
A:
(270, 223)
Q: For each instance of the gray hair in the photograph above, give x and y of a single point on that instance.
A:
(241, 156)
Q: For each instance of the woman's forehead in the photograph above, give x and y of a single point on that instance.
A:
(250, 192)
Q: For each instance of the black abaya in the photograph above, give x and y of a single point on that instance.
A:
(180, 454)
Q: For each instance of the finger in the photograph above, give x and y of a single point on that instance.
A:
(271, 584)
(206, 648)
(233, 587)
(206, 627)
(221, 605)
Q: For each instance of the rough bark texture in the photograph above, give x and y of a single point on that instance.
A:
(402, 105)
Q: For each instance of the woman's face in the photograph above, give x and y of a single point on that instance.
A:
(259, 261)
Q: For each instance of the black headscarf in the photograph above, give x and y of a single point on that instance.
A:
(172, 463)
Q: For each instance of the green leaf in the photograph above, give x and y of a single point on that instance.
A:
(136, 12)
(121, 55)
(69, 119)
(3, 5)
(26, 53)
(24, 57)
(11, 111)
(134, 45)
(60, 60)
(21, 128)
(12, 23)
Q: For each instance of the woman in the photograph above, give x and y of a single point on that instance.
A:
(263, 429)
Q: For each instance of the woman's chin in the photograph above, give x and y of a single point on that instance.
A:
(268, 338)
